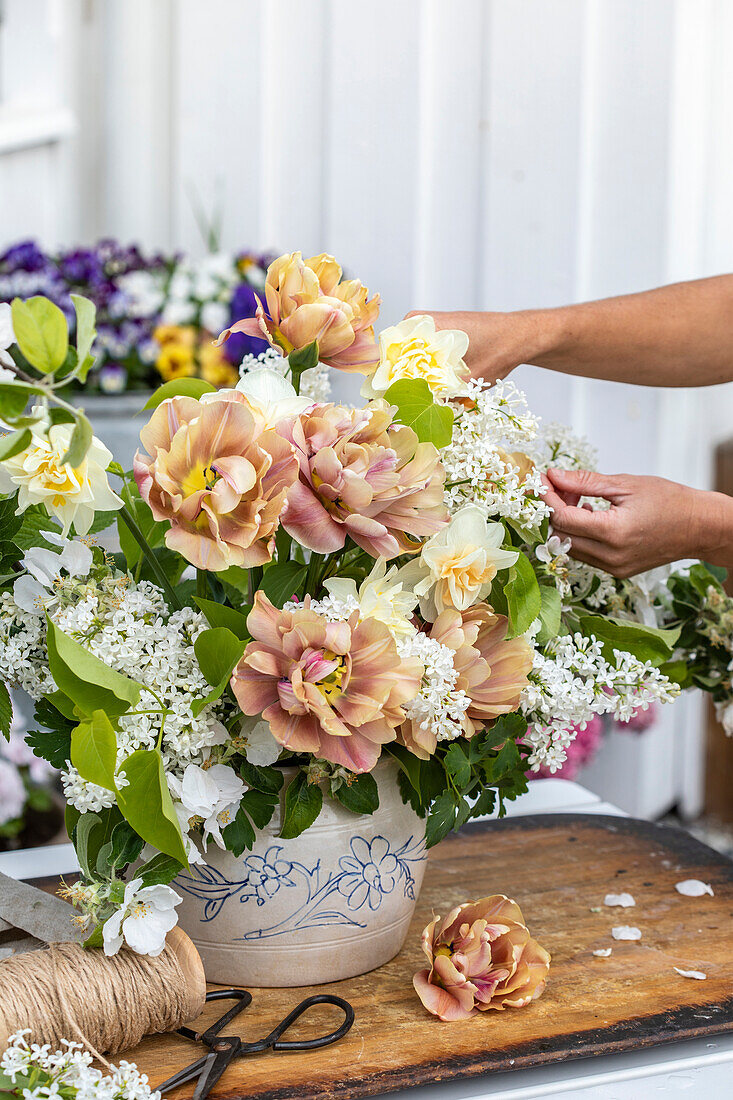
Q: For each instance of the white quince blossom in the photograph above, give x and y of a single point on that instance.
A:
(34, 590)
(382, 596)
(71, 495)
(258, 743)
(212, 794)
(415, 349)
(7, 337)
(272, 395)
(457, 566)
(554, 548)
(142, 921)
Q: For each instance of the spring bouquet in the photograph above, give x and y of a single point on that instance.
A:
(303, 583)
(156, 314)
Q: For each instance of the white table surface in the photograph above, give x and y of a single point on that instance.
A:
(698, 1068)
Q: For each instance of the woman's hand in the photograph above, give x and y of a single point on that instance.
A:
(498, 342)
(651, 521)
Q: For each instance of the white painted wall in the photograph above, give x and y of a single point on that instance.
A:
(481, 153)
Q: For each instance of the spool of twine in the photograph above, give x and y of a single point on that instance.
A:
(66, 992)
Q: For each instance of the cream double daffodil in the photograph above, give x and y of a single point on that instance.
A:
(457, 566)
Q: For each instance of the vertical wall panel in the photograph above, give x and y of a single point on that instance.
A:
(219, 87)
(372, 144)
(530, 176)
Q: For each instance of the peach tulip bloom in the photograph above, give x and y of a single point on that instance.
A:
(492, 670)
(217, 477)
(333, 689)
(481, 956)
(307, 301)
(362, 476)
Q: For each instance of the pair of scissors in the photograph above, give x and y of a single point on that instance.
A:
(224, 1048)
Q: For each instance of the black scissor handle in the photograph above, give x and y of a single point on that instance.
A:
(275, 1041)
(242, 999)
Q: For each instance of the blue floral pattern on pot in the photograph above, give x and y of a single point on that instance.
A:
(372, 870)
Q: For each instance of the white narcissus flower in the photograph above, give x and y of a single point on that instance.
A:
(146, 915)
(71, 495)
(211, 793)
(33, 591)
(272, 395)
(415, 349)
(382, 596)
(457, 566)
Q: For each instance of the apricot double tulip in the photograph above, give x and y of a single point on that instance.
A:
(492, 671)
(307, 301)
(362, 476)
(333, 689)
(217, 476)
(481, 956)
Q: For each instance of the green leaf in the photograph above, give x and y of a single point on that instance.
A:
(220, 614)
(152, 530)
(281, 582)
(71, 817)
(458, 765)
(159, 870)
(34, 520)
(178, 387)
(217, 651)
(88, 682)
(440, 819)
(80, 442)
(718, 571)
(101, 521)
(361, 796)
(303, 802)
(123, 848)
(9, 521)
(6, 711)
(677, 671)
(95, 939)
(408, 762)
(85, 333)
(417, 409)
(648, 643)
(94, 750)
(146, 803)
(41, 332)
(550, 613)
(522, 592)
(82, 834)
(14, 398)
(12, 443)
(239, 834)
(269, 780)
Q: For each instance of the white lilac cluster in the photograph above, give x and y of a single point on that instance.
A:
(438, 706)
(315, 383)
(571, 681)
(135, 636)
(559, 447)
(68, 1073)
(478, 468)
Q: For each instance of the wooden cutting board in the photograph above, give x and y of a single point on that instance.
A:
(559, 868)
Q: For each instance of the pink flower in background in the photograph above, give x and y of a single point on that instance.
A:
(361, 475)
(217, 476)
(334, 689)
(481, 956)
(640, 720)
(580, 751)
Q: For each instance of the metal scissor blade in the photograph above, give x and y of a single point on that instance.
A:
(185, 1075)
(216, 1063)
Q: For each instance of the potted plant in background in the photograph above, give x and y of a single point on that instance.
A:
(332, 633)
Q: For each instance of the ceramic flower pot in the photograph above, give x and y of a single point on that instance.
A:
(334, 902)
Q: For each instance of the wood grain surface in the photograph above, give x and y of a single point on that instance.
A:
(559, 869)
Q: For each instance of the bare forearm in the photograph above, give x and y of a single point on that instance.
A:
(678, 335)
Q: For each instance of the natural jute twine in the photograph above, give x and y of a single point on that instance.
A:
(109, 1004)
